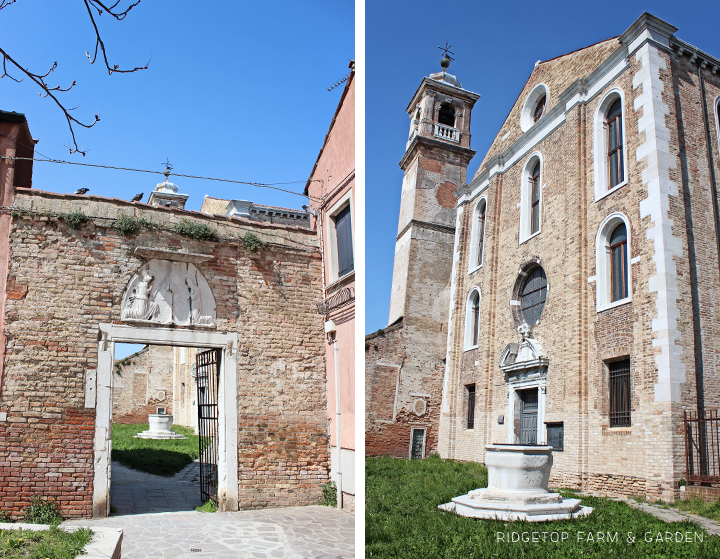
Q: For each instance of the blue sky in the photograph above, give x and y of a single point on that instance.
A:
(234, 90)
(496, 46)
(237, 91)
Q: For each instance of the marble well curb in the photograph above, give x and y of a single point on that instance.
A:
(105, 543)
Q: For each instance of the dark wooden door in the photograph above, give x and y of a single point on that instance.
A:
(528, 416)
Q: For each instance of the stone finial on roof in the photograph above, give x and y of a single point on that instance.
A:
(166, 193)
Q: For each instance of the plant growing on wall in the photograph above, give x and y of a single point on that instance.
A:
(76, 219)
(251, 242)
(128, 225)
(199, 231)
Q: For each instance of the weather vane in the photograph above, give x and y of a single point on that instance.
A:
(445, 62)
(168, 168)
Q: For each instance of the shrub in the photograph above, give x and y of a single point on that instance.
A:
(5, 517)
(42, 511)
(252, 242)
(199, 231)
(76, 219)
(329, 495)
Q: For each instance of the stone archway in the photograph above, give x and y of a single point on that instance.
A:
(167, 302)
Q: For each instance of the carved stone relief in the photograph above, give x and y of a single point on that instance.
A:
(167, 292)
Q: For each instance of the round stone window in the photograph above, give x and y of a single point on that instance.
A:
(532, 296)
(529, 294)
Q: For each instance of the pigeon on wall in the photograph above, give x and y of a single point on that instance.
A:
(82, 190)
(138, 197)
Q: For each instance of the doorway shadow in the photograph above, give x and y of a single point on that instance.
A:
(135, 492)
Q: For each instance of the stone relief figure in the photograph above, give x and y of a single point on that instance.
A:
(181, 296)
(139, 306)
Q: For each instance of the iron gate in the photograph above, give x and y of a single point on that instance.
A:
(207, 368)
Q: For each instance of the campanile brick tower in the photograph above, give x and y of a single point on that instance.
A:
(435, 164)
(405, 362)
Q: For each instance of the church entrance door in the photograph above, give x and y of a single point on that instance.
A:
(528, 416)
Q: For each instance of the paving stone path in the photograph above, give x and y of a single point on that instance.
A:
(673, 515)
(158, 521)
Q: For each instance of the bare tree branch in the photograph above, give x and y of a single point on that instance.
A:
(50, 91)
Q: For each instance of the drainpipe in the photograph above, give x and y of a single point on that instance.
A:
(331, 330)
(336, 359)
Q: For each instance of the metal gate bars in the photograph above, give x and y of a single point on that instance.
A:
(207, 366)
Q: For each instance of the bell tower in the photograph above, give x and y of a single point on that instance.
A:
(435, 165)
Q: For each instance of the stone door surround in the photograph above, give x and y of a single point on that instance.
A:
(109, 335)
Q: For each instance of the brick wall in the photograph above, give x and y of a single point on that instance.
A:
(143, 382)
(648, 456)
(72, 280)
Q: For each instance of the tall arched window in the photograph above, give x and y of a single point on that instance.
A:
(531, 197)
(612, 262)
(616, 171)
(472, 320)
(481, 231)
(477, 236)
(446, 115)
(609, 136)
(618, 263)
(535, 201)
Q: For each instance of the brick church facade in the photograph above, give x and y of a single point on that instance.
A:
(580, 267)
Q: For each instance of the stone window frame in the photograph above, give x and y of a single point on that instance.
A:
(608, 403)
(603, 281)
(525, 229)
(474, 236)
(515, 306)
(600, 140)
(412, 436)
(527, 115)
(469, 325)
(331, 236)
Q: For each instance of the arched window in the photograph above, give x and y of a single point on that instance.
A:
(615, 144)
(609, 136)
(532, 296)
(477, 237)
(612, 262)
(481, 231)
(531, 198)
(535, 201)
(446, 115)
(618, 263)
(534, 107)
(472, 320)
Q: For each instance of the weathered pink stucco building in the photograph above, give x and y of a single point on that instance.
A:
(330, 188)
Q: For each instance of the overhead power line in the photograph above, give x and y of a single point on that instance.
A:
(256, 184)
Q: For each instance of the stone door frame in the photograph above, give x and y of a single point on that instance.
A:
(109, 335)
(537, 381)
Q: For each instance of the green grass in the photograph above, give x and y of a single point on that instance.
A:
(700, 507)
(46, 544)
(159, 457)
(209, 506)
(402, 520)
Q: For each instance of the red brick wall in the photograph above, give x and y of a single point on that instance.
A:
(74, 279)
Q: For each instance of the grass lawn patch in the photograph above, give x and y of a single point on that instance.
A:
(160, 457)
(45, 544)
(402, 520)
(209, 506)
(699, 507)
